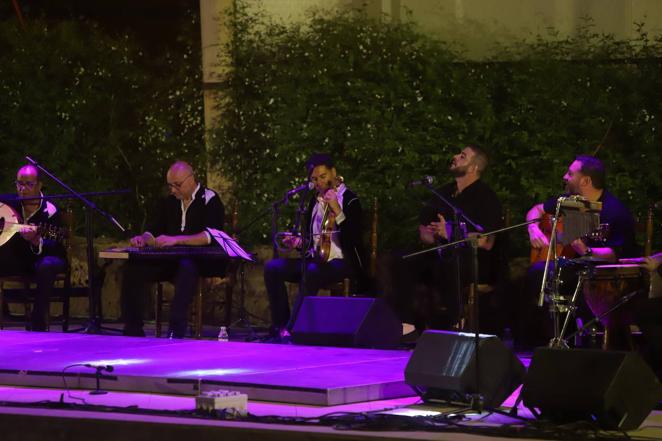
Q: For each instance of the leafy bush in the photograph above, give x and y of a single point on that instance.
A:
(90, 107)
(392, 104)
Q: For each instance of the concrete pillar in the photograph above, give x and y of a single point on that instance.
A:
(215, 35)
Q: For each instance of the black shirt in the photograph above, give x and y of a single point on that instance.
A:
(621, 234)
(481, 204)
(205, 210)
(478, 201)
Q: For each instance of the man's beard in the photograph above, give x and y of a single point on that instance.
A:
(458, 172)
(569, 189)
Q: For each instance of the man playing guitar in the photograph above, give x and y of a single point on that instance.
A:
(585, 177)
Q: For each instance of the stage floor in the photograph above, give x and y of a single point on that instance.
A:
(311, 375)
(153, 380)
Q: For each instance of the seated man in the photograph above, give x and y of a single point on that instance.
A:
(28, 253)
(439, 306)
(345, 254)
(585, 177)
(182, 219)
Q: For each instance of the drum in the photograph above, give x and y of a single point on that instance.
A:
(605, 287)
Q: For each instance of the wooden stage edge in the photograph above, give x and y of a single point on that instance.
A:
(152, 386)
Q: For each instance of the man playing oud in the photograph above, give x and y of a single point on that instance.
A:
(30, 253)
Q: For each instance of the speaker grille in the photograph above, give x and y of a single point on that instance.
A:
(616, 389)
(443, 367)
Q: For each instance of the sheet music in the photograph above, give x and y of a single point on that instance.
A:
(229, 244)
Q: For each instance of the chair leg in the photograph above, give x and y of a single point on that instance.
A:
(158, 308)
(27, 313)
(2, 308)
(198, 311)
(27, 305)
(228, 303)
(65, 304)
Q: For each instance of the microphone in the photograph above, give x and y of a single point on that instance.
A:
(101, 367)
(427, 180)
(300, 188)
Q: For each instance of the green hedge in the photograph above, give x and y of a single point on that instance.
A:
(98, 112)
(393, 104)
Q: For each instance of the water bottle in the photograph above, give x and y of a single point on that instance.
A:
(594, 339)
(223, 334)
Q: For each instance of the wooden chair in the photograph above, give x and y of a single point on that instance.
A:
(205, 286)
(645, 226)
(21, 288)
(484, 289)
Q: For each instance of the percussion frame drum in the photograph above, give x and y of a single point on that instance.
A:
(608, 289)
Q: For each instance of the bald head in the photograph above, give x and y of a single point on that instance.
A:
(27, 181)
(181, 167)
(28, 170)
(181, 180)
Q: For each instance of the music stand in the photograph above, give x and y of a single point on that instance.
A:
(235, 251)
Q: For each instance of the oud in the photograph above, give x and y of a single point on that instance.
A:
(10, 225)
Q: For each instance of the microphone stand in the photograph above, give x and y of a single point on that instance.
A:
(306, 242)
(457, 235)
(97, 377)
(476, 399)
(244, 321)
(69, 196)
(94, 322)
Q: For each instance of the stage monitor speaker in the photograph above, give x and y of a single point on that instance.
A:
(346, 321)
(443, 368)
(615, 389)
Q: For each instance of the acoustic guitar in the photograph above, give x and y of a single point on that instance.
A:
(9, 225)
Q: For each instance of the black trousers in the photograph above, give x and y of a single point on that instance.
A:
(43, 270)
(318, 275)
(183, 273)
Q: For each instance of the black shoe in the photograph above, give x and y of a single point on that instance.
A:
(173, 334)
(285, 337)
(272, 339)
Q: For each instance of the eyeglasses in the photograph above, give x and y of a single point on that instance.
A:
(178, 185)
(29, 185)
